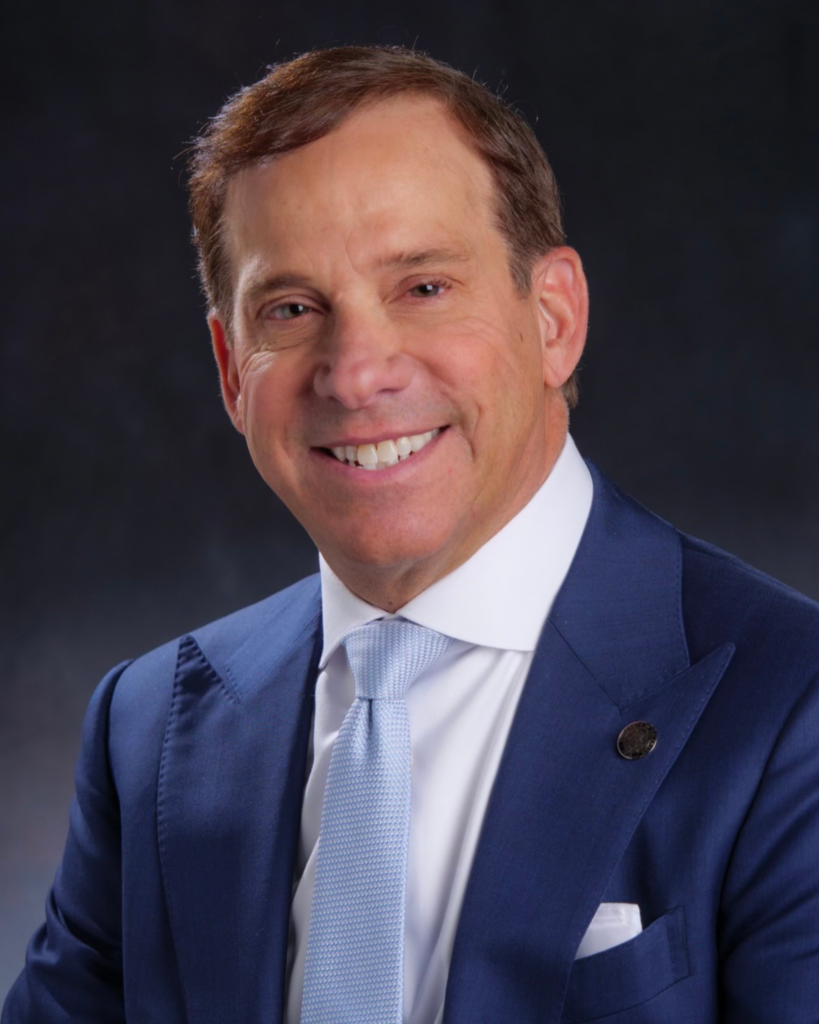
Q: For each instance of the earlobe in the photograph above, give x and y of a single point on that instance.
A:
(228, 371)
(560, 288)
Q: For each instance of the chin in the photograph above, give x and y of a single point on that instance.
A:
(385, 548)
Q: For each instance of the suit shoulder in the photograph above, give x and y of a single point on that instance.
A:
(725, 599)
(142, 695)
(721, 569)
(283, 613)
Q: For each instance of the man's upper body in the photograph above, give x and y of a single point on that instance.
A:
(174, 901)
(397, 322)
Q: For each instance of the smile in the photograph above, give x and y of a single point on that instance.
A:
(382, 454)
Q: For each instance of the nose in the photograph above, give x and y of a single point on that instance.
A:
(361, 360)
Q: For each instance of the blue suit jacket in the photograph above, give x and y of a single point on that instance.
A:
(173, 899)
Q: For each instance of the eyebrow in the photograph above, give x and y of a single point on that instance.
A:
(424, 257)
(278, 282)
(394, 261)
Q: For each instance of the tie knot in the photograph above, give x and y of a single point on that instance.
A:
(387, 655)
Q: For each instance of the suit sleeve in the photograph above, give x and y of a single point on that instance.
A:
(769, 934)
(73, 968)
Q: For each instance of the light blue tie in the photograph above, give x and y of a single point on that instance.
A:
(354, 966)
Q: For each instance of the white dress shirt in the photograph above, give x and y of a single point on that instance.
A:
(460, 712)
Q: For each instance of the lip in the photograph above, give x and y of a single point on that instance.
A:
(358, 473)
(356, 439)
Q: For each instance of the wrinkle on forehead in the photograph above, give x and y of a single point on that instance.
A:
(394, 176)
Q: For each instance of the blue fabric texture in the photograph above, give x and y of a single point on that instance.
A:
(354, 967)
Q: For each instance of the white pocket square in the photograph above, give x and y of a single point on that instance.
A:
(613, 924)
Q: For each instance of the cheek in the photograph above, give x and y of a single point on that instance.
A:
(495, 377)
(269, 413)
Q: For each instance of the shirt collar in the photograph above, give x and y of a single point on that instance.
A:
(502, 595)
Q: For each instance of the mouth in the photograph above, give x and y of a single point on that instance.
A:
(377, 455)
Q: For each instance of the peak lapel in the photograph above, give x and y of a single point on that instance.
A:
(229, 803)
(565, 803)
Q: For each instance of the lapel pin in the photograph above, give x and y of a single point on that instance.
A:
(637, 740)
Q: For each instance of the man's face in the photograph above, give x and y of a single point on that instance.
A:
(373, 303)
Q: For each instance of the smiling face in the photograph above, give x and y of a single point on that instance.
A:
(374, 306)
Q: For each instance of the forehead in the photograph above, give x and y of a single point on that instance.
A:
(395, 174)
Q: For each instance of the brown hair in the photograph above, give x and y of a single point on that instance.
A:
(304, 99)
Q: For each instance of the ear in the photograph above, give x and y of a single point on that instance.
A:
(228, 371)
(560, 290)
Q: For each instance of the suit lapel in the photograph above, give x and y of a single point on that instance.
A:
(229, 801)
(565, 804)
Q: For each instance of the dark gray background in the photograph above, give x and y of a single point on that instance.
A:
(684, 138)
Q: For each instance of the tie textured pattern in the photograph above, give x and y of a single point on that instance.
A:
(354, 966)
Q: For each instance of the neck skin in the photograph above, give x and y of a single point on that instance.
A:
(391, 587)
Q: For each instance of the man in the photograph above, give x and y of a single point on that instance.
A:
(521, 752)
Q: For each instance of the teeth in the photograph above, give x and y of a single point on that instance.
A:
(367, 455)
(385, 453)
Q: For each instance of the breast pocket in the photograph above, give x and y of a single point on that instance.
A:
(629, 974)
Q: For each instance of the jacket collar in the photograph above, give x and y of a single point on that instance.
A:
(620, 608)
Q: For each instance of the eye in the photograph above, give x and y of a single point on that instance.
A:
(428, 289)
(289, 311)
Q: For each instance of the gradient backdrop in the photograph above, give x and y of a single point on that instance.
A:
(684, 137)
